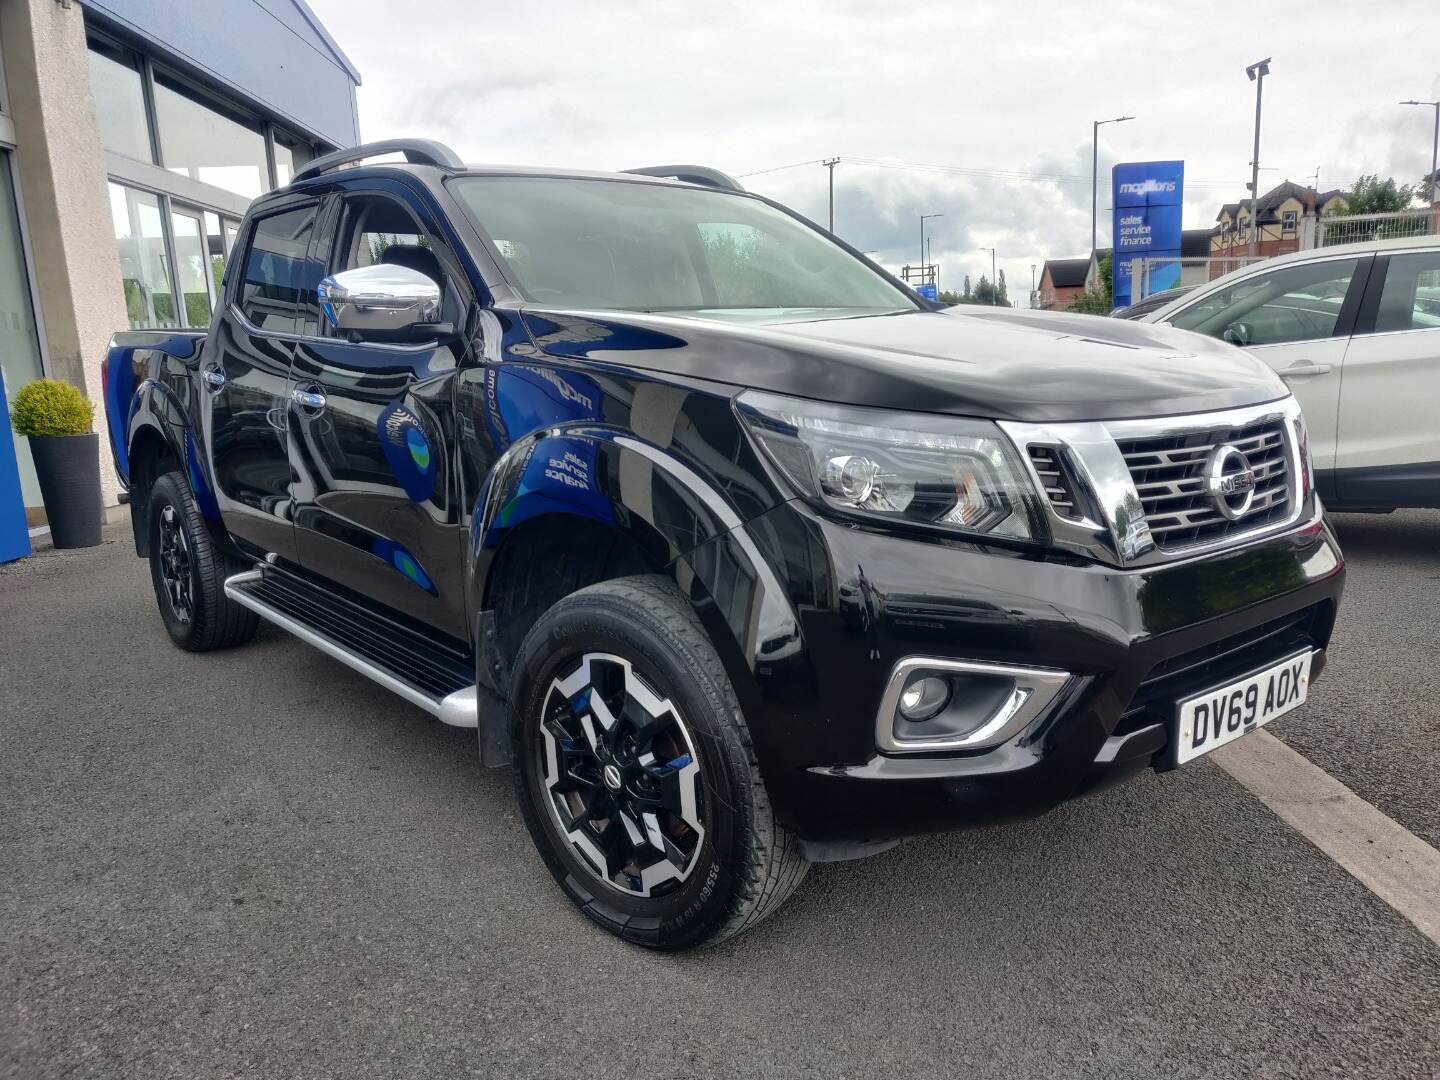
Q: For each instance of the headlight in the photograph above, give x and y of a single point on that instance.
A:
(936, 471)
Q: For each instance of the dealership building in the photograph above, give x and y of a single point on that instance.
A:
(133, 134)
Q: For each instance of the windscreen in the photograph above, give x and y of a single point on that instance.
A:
(612, 245)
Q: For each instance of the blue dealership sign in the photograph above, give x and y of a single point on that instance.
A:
(14, 533)
(1148, 198)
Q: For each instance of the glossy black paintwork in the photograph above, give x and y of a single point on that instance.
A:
(864, 600)
(932, 361)
(527, 418)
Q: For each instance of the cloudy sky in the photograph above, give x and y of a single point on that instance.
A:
(1000, 96)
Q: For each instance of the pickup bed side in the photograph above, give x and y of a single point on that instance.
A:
(150, 386)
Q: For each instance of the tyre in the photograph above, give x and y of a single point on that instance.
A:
(189, 573)
(636, 773)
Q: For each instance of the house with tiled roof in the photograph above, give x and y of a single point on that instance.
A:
(1062, 282)
(1282, 216)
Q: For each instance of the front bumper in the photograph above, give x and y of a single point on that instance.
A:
(1135, 641)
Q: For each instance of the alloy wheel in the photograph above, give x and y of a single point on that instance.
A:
(176, 572)
(621, 778)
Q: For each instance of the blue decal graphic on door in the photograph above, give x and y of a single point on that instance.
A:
(405, 563)
(407, 451)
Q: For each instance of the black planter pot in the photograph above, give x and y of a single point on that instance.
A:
(68, 468)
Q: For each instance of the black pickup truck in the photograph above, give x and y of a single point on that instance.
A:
(743, 554)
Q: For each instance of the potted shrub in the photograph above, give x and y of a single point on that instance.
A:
(56, 418)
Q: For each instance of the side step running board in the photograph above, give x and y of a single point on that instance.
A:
(436, 679)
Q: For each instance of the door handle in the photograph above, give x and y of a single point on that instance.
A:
(214, 379)
(309, 400)
(1304, 369)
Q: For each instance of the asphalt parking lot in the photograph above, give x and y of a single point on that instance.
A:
(254, 863)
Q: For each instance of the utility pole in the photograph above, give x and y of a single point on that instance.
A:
(1257, 72)
(1434, 148)
(1095, 170)
(994, 285)
(830, 164)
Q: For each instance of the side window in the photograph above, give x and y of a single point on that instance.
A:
(280, 280)
(1410, 299)
(375, 230)
(1298, 303)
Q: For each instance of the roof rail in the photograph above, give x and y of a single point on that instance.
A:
(416, 151)
(692, 174)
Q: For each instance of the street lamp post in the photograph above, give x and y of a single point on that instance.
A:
(924, 218)
(1032, 285)
(1434, 148)
(830, 164)
(1095, 169)
(1257, 72)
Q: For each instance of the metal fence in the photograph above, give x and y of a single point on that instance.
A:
(1354, 228)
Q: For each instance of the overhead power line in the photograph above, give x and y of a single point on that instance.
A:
(966, 170)
(778, 168)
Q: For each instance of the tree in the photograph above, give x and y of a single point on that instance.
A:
(1371, 195)
(1099, 298)
(988, 293)
(950, 299)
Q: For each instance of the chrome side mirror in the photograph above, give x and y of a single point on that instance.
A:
(379, 299)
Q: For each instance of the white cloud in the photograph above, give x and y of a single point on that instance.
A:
(1011, 87)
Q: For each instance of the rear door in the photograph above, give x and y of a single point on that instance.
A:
(1297, 318)
(376, 488)
(245, 374)
(1389, 447)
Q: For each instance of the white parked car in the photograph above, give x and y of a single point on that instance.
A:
(1355, 333)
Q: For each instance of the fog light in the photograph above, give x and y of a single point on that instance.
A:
(924, 698)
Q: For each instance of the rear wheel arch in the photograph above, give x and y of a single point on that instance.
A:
(151, 456)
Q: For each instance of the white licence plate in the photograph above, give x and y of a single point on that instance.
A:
(1219, 716)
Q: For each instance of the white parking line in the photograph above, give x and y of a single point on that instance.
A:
(1393, 863)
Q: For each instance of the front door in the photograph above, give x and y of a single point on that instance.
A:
(1389, 451)
(1296, 319)
(245, 372)
(375, 481)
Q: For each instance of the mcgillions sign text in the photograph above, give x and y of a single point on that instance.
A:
(1148, 197)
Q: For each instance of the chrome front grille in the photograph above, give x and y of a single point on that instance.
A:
(1169, 476)
(1056, 481)
(1140, 492)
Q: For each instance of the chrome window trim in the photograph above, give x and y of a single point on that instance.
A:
(1035, 690)
(1123, 539)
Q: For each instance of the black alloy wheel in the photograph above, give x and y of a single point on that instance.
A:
(176, 572)
(188, 572)
(636, 772)
(621, 775)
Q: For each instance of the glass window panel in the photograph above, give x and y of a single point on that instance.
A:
(115, 88)
(604, 244)
(1411, 297)
(19, 342)
(144, 266)
(1298, 303)
(217, 248)
(290, 154)
(199, 140)
(192, 265)
(278, 274)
